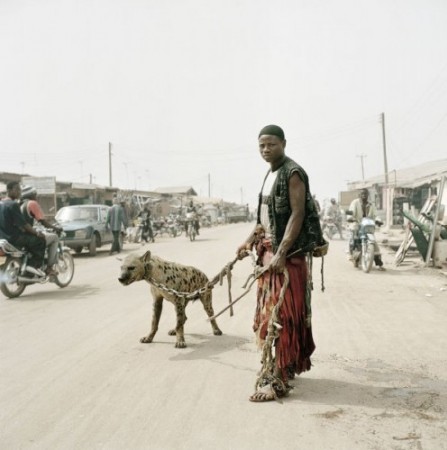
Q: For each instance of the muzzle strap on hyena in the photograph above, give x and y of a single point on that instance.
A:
(167, 279)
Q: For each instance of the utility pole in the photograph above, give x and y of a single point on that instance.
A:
(382, 116)
(361, 159)
(110, 164)
(388, 200)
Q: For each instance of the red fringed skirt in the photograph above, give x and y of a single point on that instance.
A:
(295, 344)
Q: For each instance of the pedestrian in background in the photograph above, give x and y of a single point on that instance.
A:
(116, 219)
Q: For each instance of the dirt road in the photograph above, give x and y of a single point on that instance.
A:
(74, 375)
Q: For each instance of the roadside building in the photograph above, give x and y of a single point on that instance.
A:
(408, 189)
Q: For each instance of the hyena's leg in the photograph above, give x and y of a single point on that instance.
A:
(173, 331)
(156, 313)
(181, 319)
(207, 302)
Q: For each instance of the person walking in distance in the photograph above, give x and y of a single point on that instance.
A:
(115, 221)
(279, 237)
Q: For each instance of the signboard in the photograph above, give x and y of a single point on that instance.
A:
(44, 185)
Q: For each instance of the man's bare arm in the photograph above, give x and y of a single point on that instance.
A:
(297, 196)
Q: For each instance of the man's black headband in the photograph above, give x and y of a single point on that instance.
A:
(272, 130)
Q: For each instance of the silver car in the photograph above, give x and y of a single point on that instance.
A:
(85, 227)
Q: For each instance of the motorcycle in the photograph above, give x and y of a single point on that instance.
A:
(363, 241)
(329, 228)
(191, 230)
(172, 227)
(14, 267)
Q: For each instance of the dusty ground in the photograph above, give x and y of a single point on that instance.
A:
(74, 375)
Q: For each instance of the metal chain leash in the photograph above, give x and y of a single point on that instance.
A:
(185, 296)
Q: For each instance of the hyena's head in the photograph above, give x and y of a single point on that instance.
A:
(134, 268)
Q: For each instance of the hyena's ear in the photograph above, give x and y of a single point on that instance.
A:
(146, 257)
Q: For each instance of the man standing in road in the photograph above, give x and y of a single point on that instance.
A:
(18, 232)
(115, 221)
(362, 207)
(285, 204)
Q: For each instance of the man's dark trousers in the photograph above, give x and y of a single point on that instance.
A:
(34, 244)
(116, 242)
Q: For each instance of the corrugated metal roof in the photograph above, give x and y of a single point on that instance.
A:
(410, 177)
(185, 190)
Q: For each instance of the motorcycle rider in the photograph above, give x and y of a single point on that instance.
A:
(362, 207)
(333, 211)
(32, 212)
(192, 209)
(15, 229)
(145, 216)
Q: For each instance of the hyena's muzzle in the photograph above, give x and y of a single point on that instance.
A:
(134, 271)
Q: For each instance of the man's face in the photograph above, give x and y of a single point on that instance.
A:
(364, 195)
(15, 192)
(271, 148)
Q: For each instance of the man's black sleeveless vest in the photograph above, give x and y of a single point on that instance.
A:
(279, 211)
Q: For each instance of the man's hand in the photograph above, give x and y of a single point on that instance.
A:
(278, 263)
(242, 250)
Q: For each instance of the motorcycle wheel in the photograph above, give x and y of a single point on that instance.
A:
(9, 284)
(65, 268)
(192, 234)
(368, 258)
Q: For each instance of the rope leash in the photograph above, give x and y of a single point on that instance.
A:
(226, 271)
(267, 373)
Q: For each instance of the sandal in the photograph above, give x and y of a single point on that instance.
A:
(264, 394)
(269, 392)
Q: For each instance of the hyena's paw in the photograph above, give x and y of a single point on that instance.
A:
(172, 332)
(217, 332)
(180, 344)
(146, 339)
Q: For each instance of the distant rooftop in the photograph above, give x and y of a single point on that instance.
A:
(408, 178)
(176, 190)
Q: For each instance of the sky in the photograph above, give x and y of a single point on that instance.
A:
(181, 89)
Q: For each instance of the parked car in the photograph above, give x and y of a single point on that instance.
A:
(85, 227)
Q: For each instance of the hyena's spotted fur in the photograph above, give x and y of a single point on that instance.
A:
(174, 276)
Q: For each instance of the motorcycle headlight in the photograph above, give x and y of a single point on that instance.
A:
(80, 234)
(369, 229)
